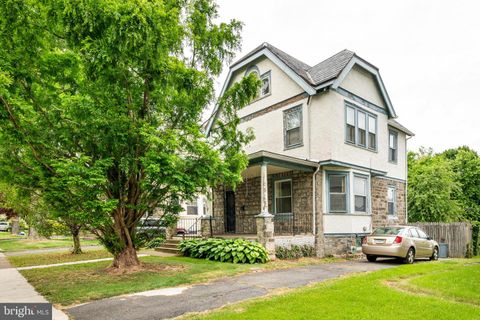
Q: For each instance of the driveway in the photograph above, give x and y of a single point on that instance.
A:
(173, 302)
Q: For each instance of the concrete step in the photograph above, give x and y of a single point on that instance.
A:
(172, 245)
(168, 250)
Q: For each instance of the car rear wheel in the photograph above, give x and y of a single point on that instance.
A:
(434, 256)
(371, 258)
(410, 257)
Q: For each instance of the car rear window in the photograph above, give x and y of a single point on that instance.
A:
(387, 231)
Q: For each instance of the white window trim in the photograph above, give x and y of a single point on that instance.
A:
(395, 134)
(394, 201)
(275, 194)
(357, 129)
(299, 109)
(367, 195)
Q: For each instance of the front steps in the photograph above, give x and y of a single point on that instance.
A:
(170, 246)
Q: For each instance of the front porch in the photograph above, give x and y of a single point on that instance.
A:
(274, 186)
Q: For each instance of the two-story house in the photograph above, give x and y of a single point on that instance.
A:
(328, 162)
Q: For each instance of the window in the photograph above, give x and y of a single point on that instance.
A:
(350, 125)
(360, 128)
(372, 133)
(392, 146)
(414, 233)
(283, 196)
(192, 208)
(391, 202)
(265, 89)
(422, 234)
(362, 133)
(265, 79)
(292, 122)
(337, 192)
(360, 190)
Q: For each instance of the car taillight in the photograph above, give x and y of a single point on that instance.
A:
(398, 239)
(364, 240)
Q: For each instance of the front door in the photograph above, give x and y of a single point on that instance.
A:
(230, 211)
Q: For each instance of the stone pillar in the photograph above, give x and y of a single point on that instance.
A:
(264, 221)
(206, 226)
(170, 232)
(265, 229)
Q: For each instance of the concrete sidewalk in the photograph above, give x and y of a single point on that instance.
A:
(15, 288)
(172, 302)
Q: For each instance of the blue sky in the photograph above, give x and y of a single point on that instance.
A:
(428, 53)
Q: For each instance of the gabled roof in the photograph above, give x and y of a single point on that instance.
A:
(395, 124)
(330, 72)
(316, 75)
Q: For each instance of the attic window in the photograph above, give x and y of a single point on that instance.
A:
(265, 88)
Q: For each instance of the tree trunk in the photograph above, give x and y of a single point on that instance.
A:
(77, 249)
(15, 225)
(126, 259)
(32, 233)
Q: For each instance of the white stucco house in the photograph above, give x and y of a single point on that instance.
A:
(328, 162)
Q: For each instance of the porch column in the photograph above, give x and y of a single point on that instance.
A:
(264, 221)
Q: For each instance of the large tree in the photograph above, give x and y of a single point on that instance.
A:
(101, 105)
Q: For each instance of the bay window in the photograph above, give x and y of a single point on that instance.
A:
(360, 191)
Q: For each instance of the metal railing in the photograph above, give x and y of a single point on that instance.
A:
(188, 227)
(291, 224)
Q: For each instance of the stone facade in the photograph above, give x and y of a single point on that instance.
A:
(288, 241)
(379, 191)
(338, 245)
(247, 205)
(265, 234)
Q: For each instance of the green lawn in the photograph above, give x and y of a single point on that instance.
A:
(79, 283)
(377, 295)
(28, 244)
(8, 235)
(56, 257)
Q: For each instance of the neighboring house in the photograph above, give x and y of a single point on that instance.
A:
(189, 220)
(327, 146)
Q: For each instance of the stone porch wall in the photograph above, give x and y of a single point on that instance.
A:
(380, 206)
(247, 203)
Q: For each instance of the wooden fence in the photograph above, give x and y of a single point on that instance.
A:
(456, 234)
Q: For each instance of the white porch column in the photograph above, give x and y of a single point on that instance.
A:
(264, 190)
(264, 221)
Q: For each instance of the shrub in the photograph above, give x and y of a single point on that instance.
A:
(155, 242)
(295, 252)
(231, 250)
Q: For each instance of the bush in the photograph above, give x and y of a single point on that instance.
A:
(155, 243)
(232, 250)
(295, 252)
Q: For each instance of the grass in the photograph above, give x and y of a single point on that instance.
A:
(56, 257)
(28, 244)
(376, 295)
(8, 235)
(72, 284)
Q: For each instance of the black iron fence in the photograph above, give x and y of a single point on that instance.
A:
(291, 224)
(188, 227)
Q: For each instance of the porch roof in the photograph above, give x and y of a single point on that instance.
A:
(280, 160)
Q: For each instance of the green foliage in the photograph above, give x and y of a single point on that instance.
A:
(445, 186)
(295, 252)
(476, 238)
(432, 185)
(155, 243)
(225, 250)
(102, 102)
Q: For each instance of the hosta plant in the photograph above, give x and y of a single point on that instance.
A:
(231, 250)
